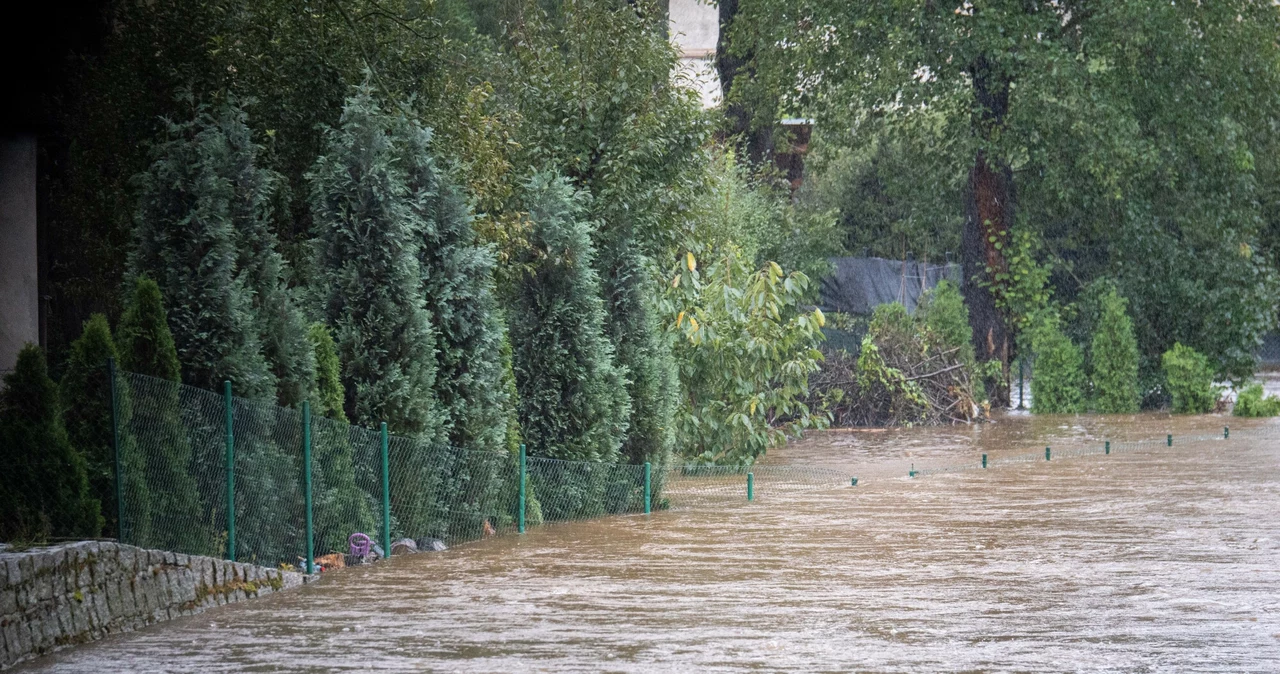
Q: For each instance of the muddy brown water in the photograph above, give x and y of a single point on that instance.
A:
(1160, 560)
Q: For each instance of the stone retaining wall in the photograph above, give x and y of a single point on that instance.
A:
(69, 594)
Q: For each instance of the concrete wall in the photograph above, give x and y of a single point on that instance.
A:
(55, 597)
(19, 292)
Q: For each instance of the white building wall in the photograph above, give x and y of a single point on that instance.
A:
(695, 28)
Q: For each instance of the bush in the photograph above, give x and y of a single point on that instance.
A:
(44, 485)
(1114, 357)
(1251, 403)
(746, 346)
(1189, 379)
(943, 313)
(1057, 385)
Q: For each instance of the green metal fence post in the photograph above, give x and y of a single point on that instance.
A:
(1168, 442)
(1108, 448)
(115, 449)
(648, 488)
(751, 486)
(853, 481)
(231, 474)
(524, 472)
(306, 470)
(1046, 453)
(984, 460)
(386, 494)
(1226, 432)
(912, 472)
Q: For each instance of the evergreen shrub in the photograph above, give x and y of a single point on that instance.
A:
(1114, 358)
(170, 513)
(369, 233)
(44, 484)
(1057, 385)
(186, 237)
(328, 387)
(84, 395)
(1189, 379)
(572, 398)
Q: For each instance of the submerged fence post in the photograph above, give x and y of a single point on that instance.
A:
(751, 486)
(984, 460)
(912, 472)
(1046, 454)
(231, 474)
(306, 471)
(1168, 440)
(1107, 449)
(524, 472)
(386, 494)
(1226, 432)
(648, 488)
(115, 449)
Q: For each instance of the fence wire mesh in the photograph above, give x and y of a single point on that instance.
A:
(1097, 448)
(175, 451)
(176, 443)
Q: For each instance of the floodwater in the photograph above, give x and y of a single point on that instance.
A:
(1160, 560)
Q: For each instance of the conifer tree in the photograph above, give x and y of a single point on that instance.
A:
(572, 397)
(84, 395)
(631, 325)
(146, 344)
(457, 277)
(176, 514)
(1114, 356)
(370, 233)
(328, 386)
(282, 331)
(44, 486)
(340, 506)
(370, 237)
(186, 238)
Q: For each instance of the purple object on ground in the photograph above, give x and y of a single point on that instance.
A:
(359, 545)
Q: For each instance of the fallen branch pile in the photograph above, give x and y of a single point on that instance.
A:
(901, 376)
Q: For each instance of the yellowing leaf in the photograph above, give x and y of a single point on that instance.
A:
(694, 323)
(675, 282)
(679, 319)
(690, 262)
(753, 405)
(822, 320)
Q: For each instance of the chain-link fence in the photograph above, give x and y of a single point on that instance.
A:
(207, 473)
(1100, 448)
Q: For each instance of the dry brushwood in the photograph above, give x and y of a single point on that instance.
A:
(902, 375)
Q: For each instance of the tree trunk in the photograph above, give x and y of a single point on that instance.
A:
(757, 138)
(989, 212)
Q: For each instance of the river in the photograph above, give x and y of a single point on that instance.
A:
(1164, 559)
